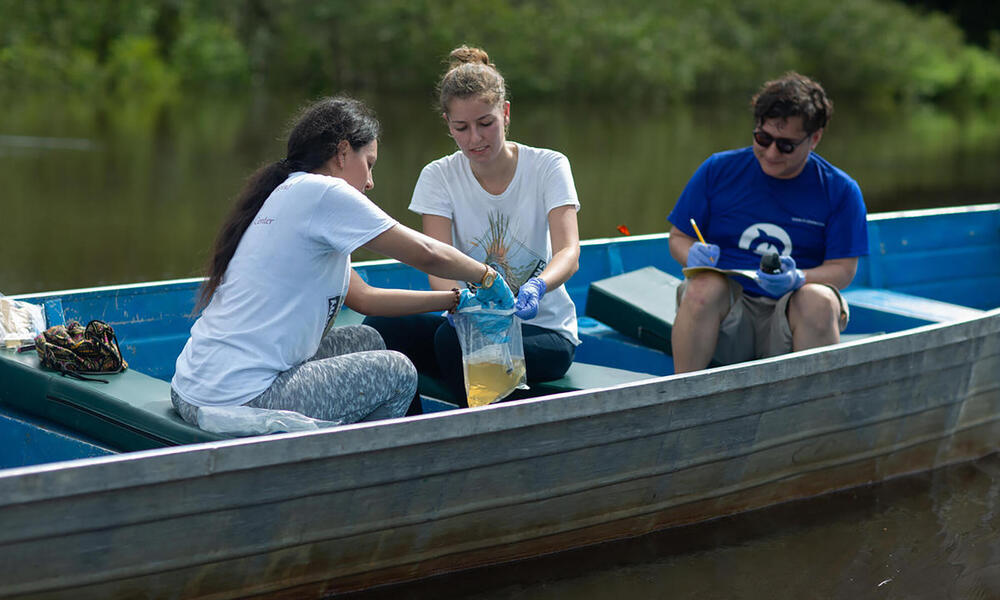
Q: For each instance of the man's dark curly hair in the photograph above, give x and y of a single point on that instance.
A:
(793, 95)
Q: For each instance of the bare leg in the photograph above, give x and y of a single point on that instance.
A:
(696, 328)
(814, 317)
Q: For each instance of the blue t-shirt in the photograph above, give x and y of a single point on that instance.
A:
(816, 216)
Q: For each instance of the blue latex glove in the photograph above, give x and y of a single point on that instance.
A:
(527, 298)
(703, 255)
(465, 300)
(779, 284)
(497, 295)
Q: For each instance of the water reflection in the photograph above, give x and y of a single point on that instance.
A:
(933, 535)
(143, 200)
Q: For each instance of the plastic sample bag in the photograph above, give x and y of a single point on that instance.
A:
(248, 420)
(20, 322)
(492, 353)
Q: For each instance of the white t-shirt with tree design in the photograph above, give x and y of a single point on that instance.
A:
(509, 231)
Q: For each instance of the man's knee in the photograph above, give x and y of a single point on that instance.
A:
(815, 306)
(706, 292)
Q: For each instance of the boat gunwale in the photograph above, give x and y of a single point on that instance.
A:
(241, 454)
(871, 217)
(591, 484)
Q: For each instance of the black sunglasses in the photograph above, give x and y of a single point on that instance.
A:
(785, 145)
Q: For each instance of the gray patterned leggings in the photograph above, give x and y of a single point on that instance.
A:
(351, 378)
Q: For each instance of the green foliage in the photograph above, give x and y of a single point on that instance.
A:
(880, 50)
(209, 54)
(134, 67)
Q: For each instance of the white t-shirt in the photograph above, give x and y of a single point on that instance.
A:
(509, 231)
(282, 290)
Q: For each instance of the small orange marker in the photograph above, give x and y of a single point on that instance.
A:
(624, 230)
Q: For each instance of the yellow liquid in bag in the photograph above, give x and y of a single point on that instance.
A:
(487, 382)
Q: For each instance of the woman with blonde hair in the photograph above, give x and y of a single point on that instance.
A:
(507, 204)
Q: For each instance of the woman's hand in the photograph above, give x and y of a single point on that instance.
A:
(527, 298)
(497, 295)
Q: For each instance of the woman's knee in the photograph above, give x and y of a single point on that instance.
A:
(547, 355)
(347, 340)
(366, 337)
(402, 371)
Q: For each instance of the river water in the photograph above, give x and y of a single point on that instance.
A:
(121, 193)
(933, 536)
(98, 195)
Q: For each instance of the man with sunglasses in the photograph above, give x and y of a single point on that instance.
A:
(776, 195)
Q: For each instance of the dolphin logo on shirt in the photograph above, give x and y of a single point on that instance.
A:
(762, 238)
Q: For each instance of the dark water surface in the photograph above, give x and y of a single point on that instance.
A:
(931, 536)
(129, 193)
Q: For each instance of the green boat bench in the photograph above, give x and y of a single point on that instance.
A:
(642, 305)
(131, 412)
(580, 376)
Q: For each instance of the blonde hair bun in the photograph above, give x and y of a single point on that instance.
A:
(465, 54)
(471, 74)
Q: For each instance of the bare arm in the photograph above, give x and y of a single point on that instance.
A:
(380, 302)
(680, 244)
(565, 247)
(838, 272)
(439, 228)
(426, 254)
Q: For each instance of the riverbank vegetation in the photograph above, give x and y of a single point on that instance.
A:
(876, 50)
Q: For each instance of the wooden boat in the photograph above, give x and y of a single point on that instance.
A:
(312, 514)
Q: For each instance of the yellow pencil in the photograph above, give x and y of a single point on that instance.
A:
(698, 232)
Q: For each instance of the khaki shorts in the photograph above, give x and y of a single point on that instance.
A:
(757, 326)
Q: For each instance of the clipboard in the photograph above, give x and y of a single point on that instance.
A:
(748, 273)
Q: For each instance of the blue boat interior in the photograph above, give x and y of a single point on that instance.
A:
(924, 267)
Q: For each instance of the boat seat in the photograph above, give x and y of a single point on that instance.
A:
(131, 412)
(580, 376)
(917, 307)
(640, 304)
(875, 309)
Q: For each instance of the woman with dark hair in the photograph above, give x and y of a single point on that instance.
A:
(280, 272)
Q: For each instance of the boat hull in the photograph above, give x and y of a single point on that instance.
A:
(305, 515)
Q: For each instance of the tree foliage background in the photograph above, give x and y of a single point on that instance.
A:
(881, 50)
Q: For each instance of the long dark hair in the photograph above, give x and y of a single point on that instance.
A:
(314, 139)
